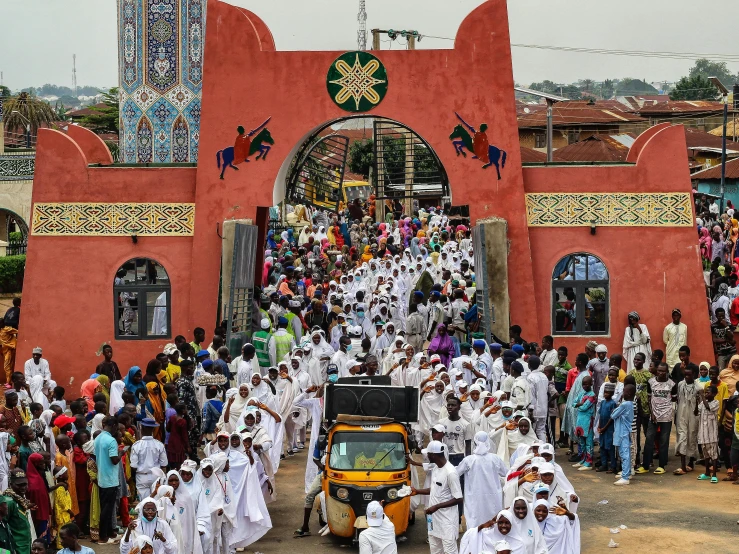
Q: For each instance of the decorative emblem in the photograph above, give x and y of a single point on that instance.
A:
(245, 145)
(357, 81)
(478, 144)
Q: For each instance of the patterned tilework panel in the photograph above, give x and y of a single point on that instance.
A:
(671, 209)
(113, 219)
(14, 168)
(160, 60)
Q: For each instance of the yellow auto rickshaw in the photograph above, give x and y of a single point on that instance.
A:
(365, 461)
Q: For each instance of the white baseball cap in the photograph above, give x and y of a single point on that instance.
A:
(375, 514)
(434, 447)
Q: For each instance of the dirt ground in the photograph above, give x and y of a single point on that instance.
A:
(663, 513)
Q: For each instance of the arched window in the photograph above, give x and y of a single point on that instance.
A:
(142, 300)
(580, 304)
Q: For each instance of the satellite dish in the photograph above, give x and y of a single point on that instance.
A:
(526, 110)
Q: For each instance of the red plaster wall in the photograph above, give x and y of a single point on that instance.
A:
(425, 88)
(68, 305)
(68, 301)
(94, 148)
(652, 269)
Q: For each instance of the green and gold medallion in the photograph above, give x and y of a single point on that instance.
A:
(357, 81)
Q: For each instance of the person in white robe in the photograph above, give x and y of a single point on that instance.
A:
(232, 409)
(314, 404)
(559, 526)
(525, 523)
(220, 497)
(150, 525)
(636, 339)
(159, 321)
(252, 518)
(164, 494)
(486, 536)
(557, 487)
(183, 510)
(482, 473)
(511, 436)
(379, 537)
(432, 400)
(192, 484)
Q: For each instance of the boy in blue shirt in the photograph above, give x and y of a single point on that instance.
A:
(605, 429)
(622, 418)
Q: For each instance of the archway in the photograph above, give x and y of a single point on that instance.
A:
(400, 168)
(14, 231)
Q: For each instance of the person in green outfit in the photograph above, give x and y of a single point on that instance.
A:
(18, 515)
(6, 535)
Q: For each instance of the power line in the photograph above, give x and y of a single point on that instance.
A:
(617, 52)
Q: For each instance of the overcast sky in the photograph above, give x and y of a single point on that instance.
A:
(39, 37)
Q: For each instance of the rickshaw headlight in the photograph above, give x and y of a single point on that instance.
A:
(392, 494)
(342, 493)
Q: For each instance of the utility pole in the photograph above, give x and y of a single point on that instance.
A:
(74, 73)
(410, 36)
(362, 32)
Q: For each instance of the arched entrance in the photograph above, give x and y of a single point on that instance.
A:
(14, 231)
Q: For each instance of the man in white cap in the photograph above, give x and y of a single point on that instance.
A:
(379, 537)
(599, 365)
(37, 366)
(445, 496)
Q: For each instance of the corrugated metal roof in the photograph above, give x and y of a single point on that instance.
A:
(680, 107)
(579, 115)
(529, 155)
(714, 173)
(596, 148)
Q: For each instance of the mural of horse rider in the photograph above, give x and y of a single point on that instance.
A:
(478, 144)
(244, 146)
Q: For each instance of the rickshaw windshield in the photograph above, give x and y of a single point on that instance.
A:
(369, 451)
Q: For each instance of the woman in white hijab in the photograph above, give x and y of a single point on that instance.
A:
(510, 439)
(148, 524)
(485, 536)
(36, 386)
(432, 399)
(220, 497)
(483, 472)
(235, 404)
(164, 495)
(262, 392)
(116, 396)
(191, 483)
(559, 526)
(528, 528)
(251, 510)
(181, 508)
(385, 340)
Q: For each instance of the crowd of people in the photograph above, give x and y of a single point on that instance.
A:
(183, 455)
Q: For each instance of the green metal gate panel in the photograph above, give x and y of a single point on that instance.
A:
(240, 301)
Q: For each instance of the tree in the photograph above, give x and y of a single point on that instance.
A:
(104, 119)
(4, 91)
(706, 68)
(361, 156)
(629, 86)
(27, 109)
(694, 88)
(545, 86)
(606, 89)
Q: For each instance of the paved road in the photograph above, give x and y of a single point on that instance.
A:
(663, 514)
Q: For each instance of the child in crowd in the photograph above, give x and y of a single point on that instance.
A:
(605, 428)
(622, 418)
(58, 396)
(69, 537)
(707, 410)
(585, 408)
(686, 417)
(211, 413)
(63, 512)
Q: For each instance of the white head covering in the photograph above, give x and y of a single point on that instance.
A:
(116, 396)
(482, 443)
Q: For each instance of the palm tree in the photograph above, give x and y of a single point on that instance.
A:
(22, 110)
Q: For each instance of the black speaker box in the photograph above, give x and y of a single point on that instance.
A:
(373, 400)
